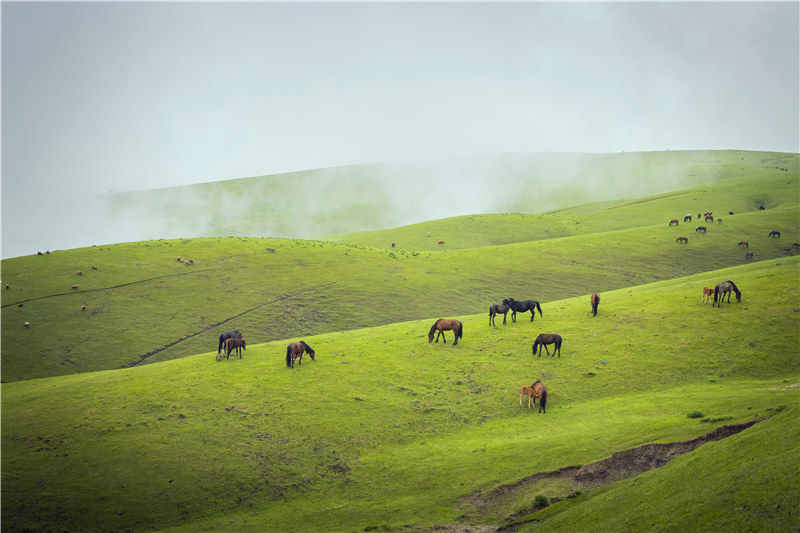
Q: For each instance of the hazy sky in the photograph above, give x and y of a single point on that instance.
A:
(122, 96)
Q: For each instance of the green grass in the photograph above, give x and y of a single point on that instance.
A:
(308, 287)
(192, 443)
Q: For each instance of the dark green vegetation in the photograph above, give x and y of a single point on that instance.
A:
(280, 288)
(387, 429)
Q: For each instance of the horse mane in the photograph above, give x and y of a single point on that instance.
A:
(308, 348)
(535, 382)
(735, 288)
(433, 328)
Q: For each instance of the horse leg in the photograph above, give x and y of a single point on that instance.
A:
(513, 316)
(504, 317)
(546, 350)
(533, 314)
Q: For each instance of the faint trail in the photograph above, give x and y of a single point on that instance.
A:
(121, 285)
(209, 328)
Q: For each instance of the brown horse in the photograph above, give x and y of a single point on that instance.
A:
(687, 218)
(295, 351)
(684, 240)
(440, 243)
(744, 243)
(707, 293)
(495, 309)
(537, 390)
(708, 218)
(443, 324)
(547, 338)
(595, 300)
(233, 344)
(748, 255)
(673, 221)
(725, 288)
(701, 228)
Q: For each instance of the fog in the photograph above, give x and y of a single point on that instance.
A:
(432, 99)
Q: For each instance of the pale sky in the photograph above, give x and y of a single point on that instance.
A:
(124, 96)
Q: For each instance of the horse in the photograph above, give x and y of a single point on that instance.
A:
(440, 243)
(684, 240)
(722, 289)
(233, 344)
(701, 228)
(444, 324)
(796, 245)
(748, 255)
(595, 300)
(79, 272)
(707, 295)
(537, 390)
(775, 233)
(225, 336)
(719, 221)
(547, 338)
(687, 218)
(295, 351)
(708, 218)
(744, 243)
(392, 245)
(673, 221)
(74, 287)
(730, 212)
(761, 208)
(522, 307)
(495, 309)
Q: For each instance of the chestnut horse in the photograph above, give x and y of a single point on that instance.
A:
(707, 293)
(673, 221)
(295, 351)
(684, 240)
(595, 299)
(725, 288)
(495, 309)
(443, 324)
(537, 390)
(548, 338)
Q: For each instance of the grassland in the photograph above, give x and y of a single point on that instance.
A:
(385, 429)
(144, 306)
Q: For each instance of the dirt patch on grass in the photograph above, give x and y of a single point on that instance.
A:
(621, 465)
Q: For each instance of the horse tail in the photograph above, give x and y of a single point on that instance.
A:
(460, 331)
(309, 349)
(539, 307)
(433, 328)
(543, 400)
(219, 348)
(289, 355)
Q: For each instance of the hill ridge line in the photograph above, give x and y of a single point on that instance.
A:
(209, 328)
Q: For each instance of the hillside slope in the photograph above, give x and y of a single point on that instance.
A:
(144, 306)
(387, 429)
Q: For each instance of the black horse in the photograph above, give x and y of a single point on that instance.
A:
(700, 228)
(522, 307)
(225, 336)
(774, 233)
(497, 309)
(725, 287)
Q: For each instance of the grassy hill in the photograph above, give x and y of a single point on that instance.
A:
(387, 430)
(144, 306)
(313, 203)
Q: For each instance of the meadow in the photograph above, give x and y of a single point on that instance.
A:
(118, 417)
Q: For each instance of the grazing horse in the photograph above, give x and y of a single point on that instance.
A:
(796, 245)
(443, 324)
(537, 390)
(225, 336)
(707, 295)
(392, 245)
(708, 218)
(497, 309)
(79, 272)
(673, 221)
(547, 338)
(722, 289)
(440, 243)
(700, 228)
(730, 212)
(522, 307)
(684, 240)
(595, 301)
(774, 233)
(295, 351)
(744, 243)
(719, 221)
(761, 208)
(687, 218)
(74, 287)
(748, 255)
(233, 344)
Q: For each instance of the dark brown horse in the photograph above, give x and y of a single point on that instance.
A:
(497, 309)
(687, 218)
(233, 344)
(725, 288)
(537, 390)
(295, 351)
(708, 218)
(775, 233)
(444, 324)
(701, 228)
(522, 307)
(225, 336)
(744, 243)
(595, 300)
(547, 338)
(673, 221)
(748, 255)
(684, 240)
